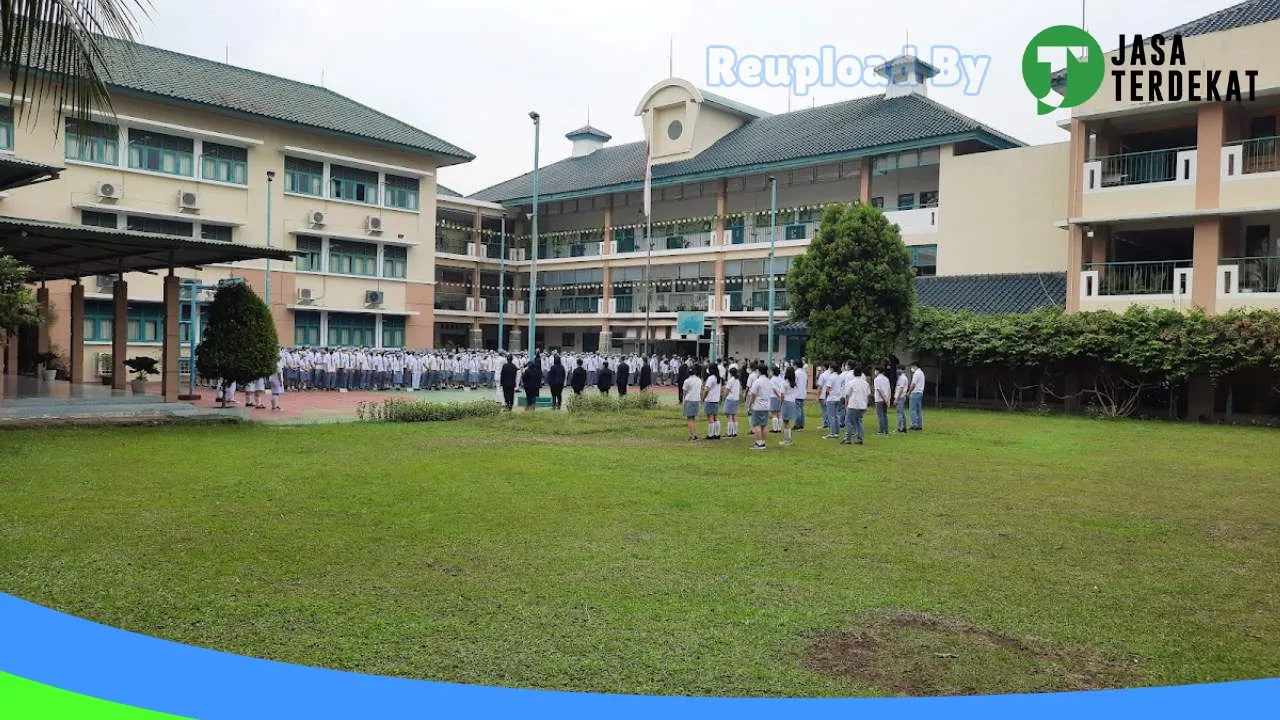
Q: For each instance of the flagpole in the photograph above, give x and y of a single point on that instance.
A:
(773, 242)
(648, 236)
(502, 283)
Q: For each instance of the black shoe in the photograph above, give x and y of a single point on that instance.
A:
(845, 442)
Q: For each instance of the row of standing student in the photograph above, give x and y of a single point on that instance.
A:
(775, 401)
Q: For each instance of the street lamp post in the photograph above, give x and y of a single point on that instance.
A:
(648, 283)
(773, 243)
(266, 284)
(533, 267)
(502, 282)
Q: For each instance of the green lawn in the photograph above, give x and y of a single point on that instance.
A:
(995, 552)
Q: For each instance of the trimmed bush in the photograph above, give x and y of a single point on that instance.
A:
(393, 410)
(611, 403)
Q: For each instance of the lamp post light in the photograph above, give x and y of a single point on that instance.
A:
(502, 282)
(533, 267)
(773, 243)
(266, 285)
(648, 282)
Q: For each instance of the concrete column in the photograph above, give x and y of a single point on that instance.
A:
(515, 343)
(864, 181)
(722, 201)
(476, 336)
(1100, 244)
(169, 363)
(477, 224)
(119, 332)
(606, 290)
(1075, 263)
(1211, 126)
(1077, 154)
(606, 340)
(42, 331)
(75, 353)
(475, 287)
(1205, 253)
(11, 352)
(605, 248)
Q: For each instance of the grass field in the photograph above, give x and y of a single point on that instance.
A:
(993, 553)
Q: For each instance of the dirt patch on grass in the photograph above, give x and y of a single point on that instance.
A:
(923, 654)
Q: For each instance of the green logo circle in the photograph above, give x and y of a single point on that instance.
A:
(1080, 54)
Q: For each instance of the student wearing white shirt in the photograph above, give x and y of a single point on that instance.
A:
(775, 405)
(711, 390)
(900, 399)
(883, 395)
(916, 391)
(823, 375)
(802, 382)
(857, 393)
(758, 397)
(732, 393)
(790, 391)
(835, 401)
(692, 392)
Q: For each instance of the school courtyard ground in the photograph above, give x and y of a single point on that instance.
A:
(992, 553)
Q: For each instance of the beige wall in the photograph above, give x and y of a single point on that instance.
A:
(1247, 48)
(245, 207)
(1137, 201)
(998, 211)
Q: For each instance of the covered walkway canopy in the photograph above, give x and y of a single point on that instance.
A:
(61, 251)
(16, 172)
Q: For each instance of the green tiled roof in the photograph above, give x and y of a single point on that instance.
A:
(446, 192)
(153, 71)
(864, 126)
(589, 131)
(991, 294)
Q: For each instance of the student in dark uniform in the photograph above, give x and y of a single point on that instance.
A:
(604, 378)
(555, 379)
(507, 379)
(646, 374)
(624, 377)
(578, 378)
(681, 375)
(532, 381)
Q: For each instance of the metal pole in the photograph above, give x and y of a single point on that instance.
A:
(648, 284)
(502, 281)
(773, 242)
(193, 296)
(271, 176)
(533, 268)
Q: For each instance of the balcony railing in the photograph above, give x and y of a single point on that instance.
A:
(1136, 278)
(493, 251)
(453, 245)
(551, 252)
(1256, 274)
(569, 305)
(1140, 168)
(452, 301)
(756, 300)
(792, 231)
(1260, 155)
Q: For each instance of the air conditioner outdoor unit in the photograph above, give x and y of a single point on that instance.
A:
(372, 297)
(110, 190)
(317, 217)
(520, 255)
(471, 304)
(305, 295)
(188, 200)
(373, 223)
(513, 254)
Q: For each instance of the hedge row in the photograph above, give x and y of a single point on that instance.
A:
(395, 410)
(612, 403)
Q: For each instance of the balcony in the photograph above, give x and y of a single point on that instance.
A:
(454, 245)
(793, 231)
(1150, 182)
(570, 250)
(569, 305)
(1117, 285)
(916, 221)
(1249, 282)
(459, 302)
(1250, 173)
(755, 300)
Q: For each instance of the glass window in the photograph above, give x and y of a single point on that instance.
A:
(221, 233)
(306, 328)
(353, 184)
(929, 156)
(305, 177)
(310, 259)
(907, 201)
(402, 192)
(224, 163)
(352, 330)
(160, 226)
(924, 258)
(392, 331)
(394, 261)
(93, 218)
(6, 127)
(92, 142)
(97, 321)
(161, 153)
(877, 202)
(928, 198)
(353, 258)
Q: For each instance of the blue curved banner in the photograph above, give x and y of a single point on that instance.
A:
(60, 651)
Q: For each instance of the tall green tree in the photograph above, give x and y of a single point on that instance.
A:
(52, 50)
(18, 306)
(240, 343)
(853, 286)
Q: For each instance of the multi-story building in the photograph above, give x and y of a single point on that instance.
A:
(205, 150)
(1177, 204)
(976, 208)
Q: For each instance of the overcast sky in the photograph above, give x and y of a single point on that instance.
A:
(469, 72)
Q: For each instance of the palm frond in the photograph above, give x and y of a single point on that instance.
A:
(52, 51)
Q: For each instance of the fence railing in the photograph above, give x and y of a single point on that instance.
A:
(454, 245)
(1136, 278)
(451, 301)
(1260, 155)
(569, 305)
(1257, 274)
(1139, 168)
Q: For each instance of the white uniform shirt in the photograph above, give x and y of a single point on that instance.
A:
(917, 382)
(761, 392)
(713, 389)
(692, 388)
(859, 390)
(883, 392)
(732, 389)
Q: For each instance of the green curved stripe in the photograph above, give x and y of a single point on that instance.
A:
(22, 699)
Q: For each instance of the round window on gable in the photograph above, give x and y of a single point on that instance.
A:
(675, 129)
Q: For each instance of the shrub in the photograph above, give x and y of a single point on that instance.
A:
(393, 410)
(612, 403)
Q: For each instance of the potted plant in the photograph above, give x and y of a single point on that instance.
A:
(50, 363)
(141, 367)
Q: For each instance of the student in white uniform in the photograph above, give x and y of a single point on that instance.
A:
(711, 391)
(900, 399)
(790, 391)
(775, 405)
(802, 382)
(823, 375)
(692, 391)
(732, 394)
(835, 402)
(857, 393)
(758, 398)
